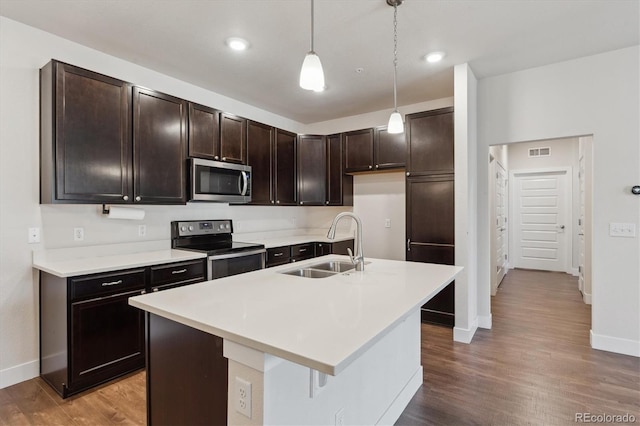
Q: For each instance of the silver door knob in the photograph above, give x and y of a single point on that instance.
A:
(408, 173)
(377, 166)
(369, 167)
(138, 198)
(215, 157)
(278, 202)
(224, 158)
(125, 197)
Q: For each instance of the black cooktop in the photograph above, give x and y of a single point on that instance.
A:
(209, 236)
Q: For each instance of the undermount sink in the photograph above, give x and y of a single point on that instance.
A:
(309, 273)
(334, 266)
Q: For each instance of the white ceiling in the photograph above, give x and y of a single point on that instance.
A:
(185, 39)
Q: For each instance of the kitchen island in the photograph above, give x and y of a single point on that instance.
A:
(341, 349)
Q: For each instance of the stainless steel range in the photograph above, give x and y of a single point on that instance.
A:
(214, 237)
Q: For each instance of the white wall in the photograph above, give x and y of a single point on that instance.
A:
(596, 95)
(564, 153)
(23, 51)
(377, 197)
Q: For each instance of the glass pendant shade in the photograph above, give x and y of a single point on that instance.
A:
(311, 74)
(395, 123)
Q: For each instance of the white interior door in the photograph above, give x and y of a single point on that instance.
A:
(581, 240)
(541, 225)
(501, 223)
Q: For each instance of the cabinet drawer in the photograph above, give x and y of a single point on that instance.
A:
(103, 284)
(193, 271)
(278, 255)
(303, 250)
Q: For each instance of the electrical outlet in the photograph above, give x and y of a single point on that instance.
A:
(340, 417)
(387, 223)
(34, 235)
(142, 230)
(78, 234)
(243, 397)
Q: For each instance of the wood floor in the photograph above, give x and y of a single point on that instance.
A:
(534, 367)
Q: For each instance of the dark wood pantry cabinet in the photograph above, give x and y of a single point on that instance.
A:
(285, 173)
(260, 158)
(430, 202)
(104, 141)
(339, 184)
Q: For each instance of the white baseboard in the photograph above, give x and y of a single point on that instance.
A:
(615, 344)
(485, 321)
(398, 405)
(19, 373)
(465, 335)
(574, 272)
(586, 298)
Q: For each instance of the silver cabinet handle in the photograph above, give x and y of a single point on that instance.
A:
(377, 166)
(112, 283)
(272, 201)
(408, 244)
(303, 250)
(278, 254)
(138, 198)
(224, 158)
(215, 157)
(301, 202)
(370, 167)
(125, 197)
(179, 271)
(278, 202)
(326, 202)
(245, 183)
(155, 289)
(408, 173)
(143, 292)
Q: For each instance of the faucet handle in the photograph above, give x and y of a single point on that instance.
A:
(353, 260)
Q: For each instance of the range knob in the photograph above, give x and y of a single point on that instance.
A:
(226, 225)
(190, 227)
(183, 228)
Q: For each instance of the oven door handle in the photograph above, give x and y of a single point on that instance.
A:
(241, 254)
(244, 183)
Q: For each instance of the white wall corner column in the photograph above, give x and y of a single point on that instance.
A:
(466, 202)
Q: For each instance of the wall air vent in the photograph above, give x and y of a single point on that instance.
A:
(539, 152)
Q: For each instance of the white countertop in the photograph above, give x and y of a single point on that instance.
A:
(69, 262)
(298, 239)
(322, 323)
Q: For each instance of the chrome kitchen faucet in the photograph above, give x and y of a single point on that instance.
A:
(358, 258)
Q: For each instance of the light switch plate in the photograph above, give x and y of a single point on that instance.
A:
(622, 230)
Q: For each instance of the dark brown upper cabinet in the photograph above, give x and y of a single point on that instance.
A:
(358, 150)
(204, 132)
(312, 169)
(233, 131)
(389, 150)
(430, 142)
(339, 185)
(285, 185)
(159, 147)
(260, 158)
(85, 136)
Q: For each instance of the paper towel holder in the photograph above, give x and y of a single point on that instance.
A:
(105, 210)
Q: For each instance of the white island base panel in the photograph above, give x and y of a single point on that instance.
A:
(374, 389)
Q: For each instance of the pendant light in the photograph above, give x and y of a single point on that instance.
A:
(311, 74)
(395, 121)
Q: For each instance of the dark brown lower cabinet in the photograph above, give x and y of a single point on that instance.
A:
(277, 256)
(186, 375)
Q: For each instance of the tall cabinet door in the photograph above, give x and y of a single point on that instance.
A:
(159, 147)
(233, 131)
(334, 170)
(85, 136)
(285, 168)
(312, 169)
(259, 149)
(430, 136)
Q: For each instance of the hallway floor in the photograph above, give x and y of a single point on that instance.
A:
(535, 366)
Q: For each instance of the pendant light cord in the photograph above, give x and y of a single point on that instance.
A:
(311, 25)
(395, 56)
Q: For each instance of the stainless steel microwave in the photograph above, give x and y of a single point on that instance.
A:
(219, 182)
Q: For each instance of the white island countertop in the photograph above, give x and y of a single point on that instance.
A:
(321, 323)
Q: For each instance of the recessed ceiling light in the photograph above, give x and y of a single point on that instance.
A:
(434, 57)
(237, 43)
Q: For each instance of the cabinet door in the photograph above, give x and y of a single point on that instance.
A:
(85, 136)
(204, 132)
(160, 143)
(334, 170)
(430, 142)
(285, 168)
(107, 339)
(259, 149)
(430, 210)
(390, 149)
(312, 169)
(233, 130)
(358, 150)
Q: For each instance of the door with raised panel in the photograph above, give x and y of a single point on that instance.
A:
(430, 142)
(334, 170)
(390, 150)
(312, 169)
(259, 152)
(358, 150)
(159, 147)
(204, 132)
(285, 168)
(501, 223)
(233, 131)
